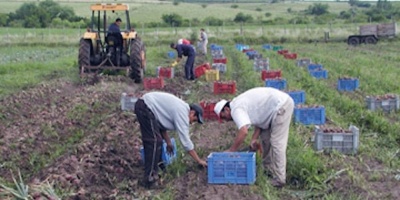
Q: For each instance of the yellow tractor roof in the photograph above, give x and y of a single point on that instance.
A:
(109, 7)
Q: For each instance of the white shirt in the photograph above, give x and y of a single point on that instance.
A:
(257, 106)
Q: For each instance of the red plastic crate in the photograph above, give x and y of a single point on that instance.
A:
(208, 110)
(201, 69)
(246, 50)
(220, 60)
(165, 72)
(283, 51)
(224, 87)
(268, 74)
(290, 55)
(153, 83)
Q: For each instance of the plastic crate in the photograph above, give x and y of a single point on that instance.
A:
(310, 115)
(231, 168)
(165, 72)
(277, 48)
(255, 56)
(166, 158)
(319, 74)
(216, 47)
(201, 69)
(302, 62)
(299, 96)
(220, 60)
(267, 46)
(386, 103)
(221, 67)
(347, 84)
(171, 54)
(346, 142)
(270, 74)
(241, 47)
(208, 110)
(283, 51)
(277, 83)
(261, 64)
(212, 75)
(291, 56)
(226, 87)
(150, 83)
(314, 66)
(128, 102)
(249, 50)
(217, 53)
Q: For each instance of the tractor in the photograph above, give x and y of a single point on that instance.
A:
(103, 51)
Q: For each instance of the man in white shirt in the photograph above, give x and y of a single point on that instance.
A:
(269, 110)
(158, 112)
(203, 41)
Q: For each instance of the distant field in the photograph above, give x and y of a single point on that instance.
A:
(151, 11)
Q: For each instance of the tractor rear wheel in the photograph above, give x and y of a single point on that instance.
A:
(84, 54)
(137, 60)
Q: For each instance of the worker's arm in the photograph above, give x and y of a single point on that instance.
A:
(254, 139)
(196, 157)
(170, 147)
(239, 138)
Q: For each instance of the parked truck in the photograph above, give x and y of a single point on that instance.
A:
(370, 34)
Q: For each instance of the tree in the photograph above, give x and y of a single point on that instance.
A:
(318, 9)
(240, 17)
(172, 19)
(3, 19)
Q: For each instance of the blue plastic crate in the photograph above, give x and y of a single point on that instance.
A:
(347, 84)
(240, 47)
(166, 158)
(314, 66)
(299, 97)
(279, 84)
(231, 168)
(319, 74)
(309, 116)
(267, 47)
(171, 54)
(248, 53)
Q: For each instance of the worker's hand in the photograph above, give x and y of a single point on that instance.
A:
(203, 163)
(174, 64)
(170, 149)
(254, 145)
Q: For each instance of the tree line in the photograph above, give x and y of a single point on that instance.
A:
(49, 13)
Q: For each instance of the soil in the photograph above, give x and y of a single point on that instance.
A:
(75, 137)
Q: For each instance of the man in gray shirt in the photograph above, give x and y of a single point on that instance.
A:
(158, 112)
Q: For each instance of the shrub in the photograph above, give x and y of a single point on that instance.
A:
(268, 14)
(234, 6)
(258, 9)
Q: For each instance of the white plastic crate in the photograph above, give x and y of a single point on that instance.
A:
(219, 66)
(128, 102)
(329, 139)
(261, 64)
(386, 103)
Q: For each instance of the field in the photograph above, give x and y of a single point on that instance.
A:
(65, 137)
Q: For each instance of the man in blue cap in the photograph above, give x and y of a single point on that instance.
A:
(158, 112)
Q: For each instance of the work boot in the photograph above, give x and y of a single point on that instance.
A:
(277, 184)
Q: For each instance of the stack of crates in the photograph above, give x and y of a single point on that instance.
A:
(220, 64)
(217, 51)
(165, 156)
(231, 168)
(330, 139)
(261, 64)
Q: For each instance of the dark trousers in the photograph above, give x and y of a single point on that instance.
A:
(151, 138)
(189, 71)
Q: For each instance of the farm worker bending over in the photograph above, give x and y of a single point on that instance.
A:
(185, 50)
(158, 112)
(114, 27)
(183, 41)
(269, 110)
